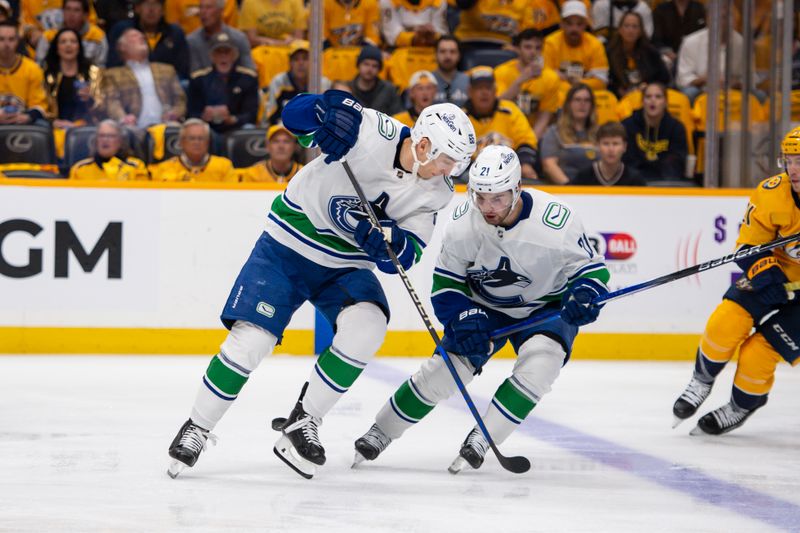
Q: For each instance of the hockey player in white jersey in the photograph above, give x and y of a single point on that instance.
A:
(319, 246)
(506, 254)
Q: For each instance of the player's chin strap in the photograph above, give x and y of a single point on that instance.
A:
(417, 163)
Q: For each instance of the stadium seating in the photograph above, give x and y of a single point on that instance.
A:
(27, 144)
(486, 57)
(246, 147)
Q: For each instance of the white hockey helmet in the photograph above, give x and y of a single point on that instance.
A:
(450, 134)
(496, 169)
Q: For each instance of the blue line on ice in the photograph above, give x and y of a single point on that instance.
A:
(683, 479)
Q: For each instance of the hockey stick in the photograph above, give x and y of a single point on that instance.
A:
(667, 278)
(517, 465)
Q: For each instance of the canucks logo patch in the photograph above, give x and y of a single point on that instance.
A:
(346, 211)
(480, 280)
(555, 215)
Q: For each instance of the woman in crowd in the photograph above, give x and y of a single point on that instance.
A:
(568, 146)
(657, 146)
(632, 60)
(70, 82)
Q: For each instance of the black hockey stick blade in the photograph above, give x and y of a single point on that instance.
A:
(515, 465)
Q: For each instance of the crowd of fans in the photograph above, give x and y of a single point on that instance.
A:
(605, 92)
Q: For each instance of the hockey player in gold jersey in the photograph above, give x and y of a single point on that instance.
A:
(758, 300)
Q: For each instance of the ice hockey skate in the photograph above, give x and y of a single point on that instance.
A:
(370, 445)
(472, 452)
(186, 447)
(299, 446)
(724, 419)
(690, 399)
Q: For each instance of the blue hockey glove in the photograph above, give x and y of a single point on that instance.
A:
(469, 334)
(767, 279)
(372, 240)
(577, 308)
(340, 115)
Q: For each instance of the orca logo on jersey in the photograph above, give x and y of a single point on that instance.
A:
(482, 279)
(346, 211)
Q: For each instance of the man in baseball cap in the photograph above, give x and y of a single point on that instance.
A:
(421, 92)
(280, 167)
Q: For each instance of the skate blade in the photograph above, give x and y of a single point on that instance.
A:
(698, 432)
(457, 465)
(175, 468)
(286, 452)
(677, 421)
(278, 423)
(358, 459)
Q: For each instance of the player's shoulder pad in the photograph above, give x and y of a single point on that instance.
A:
(550, 211)
(461, 210)
(201, 72)
(772, 183)
(387, 127)
(245, 70)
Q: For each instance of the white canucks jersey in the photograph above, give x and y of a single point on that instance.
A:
(514, 270)
(318, 213)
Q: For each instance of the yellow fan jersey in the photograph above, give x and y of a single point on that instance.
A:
(46, 14)
(494, 20)
(773, 212)
(587, 62)
(535, 95)
(185, 13)
(507, 125)
(22, 86)
(346, 24)
(404, 62)
(273, 20)
(263, 172)
(175, 169)
(115, 169)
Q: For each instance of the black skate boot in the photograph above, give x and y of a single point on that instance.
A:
(186, 447)
(472, 452)
(299, 446)
(727, 418)
(692, 397)
(371, 445)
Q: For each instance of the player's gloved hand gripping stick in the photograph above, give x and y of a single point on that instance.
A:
(541, 318)
(518, 464)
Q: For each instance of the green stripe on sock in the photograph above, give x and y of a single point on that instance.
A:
(338, 370)
(513, 400)
(226, 380)
(408, 402)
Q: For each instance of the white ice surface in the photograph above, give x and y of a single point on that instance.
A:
(83, 447)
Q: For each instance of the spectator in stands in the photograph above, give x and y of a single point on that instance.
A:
(658, 146)
(528, 83)
(280, 167)
(569, 145)
(37, 16)
(453, 83)
(693, 58)
(6, 11)
(76, 17)
(22, 96)
(351, 23)
(110, 160)
(194, 163)
(140, 93)
(546, 16)
(608, 169)
(186, 13)
(500, 121)
(166, 42)
(632, 60)
(672, 21)
(413, 22)
(607, 16)
(421, 92)
(577, 55)
(70, 81)
(109, 12)
(369, 89)
(225, 94)
(273, 22)
(289, 84)
(491, 24)
(210, 16)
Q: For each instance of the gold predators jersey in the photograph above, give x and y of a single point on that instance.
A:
(216, 168)
(773, 212)
(263, 172)
(346, 23)
(535, 95)
(115, 169)
(185, 13)
(506, 123)
(494, 20)
(22, 86)
(587, 62)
